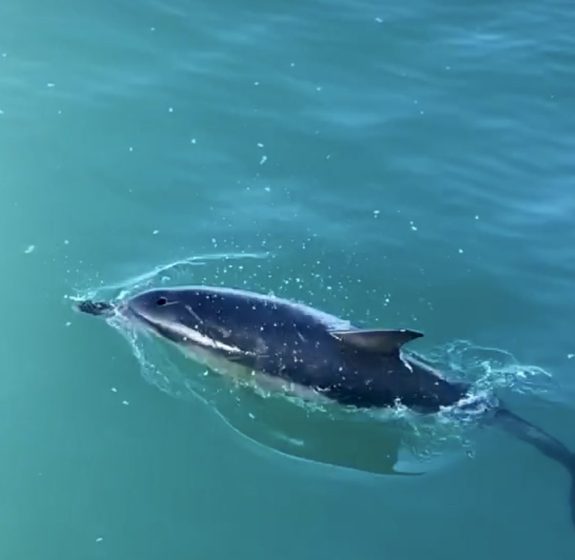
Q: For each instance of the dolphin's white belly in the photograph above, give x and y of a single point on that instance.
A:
(261, 382)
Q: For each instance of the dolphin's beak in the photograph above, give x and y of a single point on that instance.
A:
(96, 307)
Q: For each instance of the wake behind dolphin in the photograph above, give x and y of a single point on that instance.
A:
(293, 347)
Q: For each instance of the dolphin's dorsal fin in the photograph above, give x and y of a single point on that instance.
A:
(380, 341)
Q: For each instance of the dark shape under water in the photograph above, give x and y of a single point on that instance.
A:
(278, 343)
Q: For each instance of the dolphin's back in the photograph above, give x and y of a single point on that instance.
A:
(233, 305)
(296, 343)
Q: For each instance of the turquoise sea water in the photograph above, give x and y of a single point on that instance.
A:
(397, 164)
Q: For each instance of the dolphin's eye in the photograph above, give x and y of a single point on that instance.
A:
(161, 301)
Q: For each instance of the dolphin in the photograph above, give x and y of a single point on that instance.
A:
(291, 346)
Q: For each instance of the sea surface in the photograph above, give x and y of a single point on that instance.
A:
(397, 164)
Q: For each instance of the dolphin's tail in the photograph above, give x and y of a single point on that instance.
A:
(545, 443)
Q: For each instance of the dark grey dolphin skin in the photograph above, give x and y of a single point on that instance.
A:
(300, 345)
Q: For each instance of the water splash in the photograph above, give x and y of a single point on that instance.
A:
(490, 369)
(169, 273)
